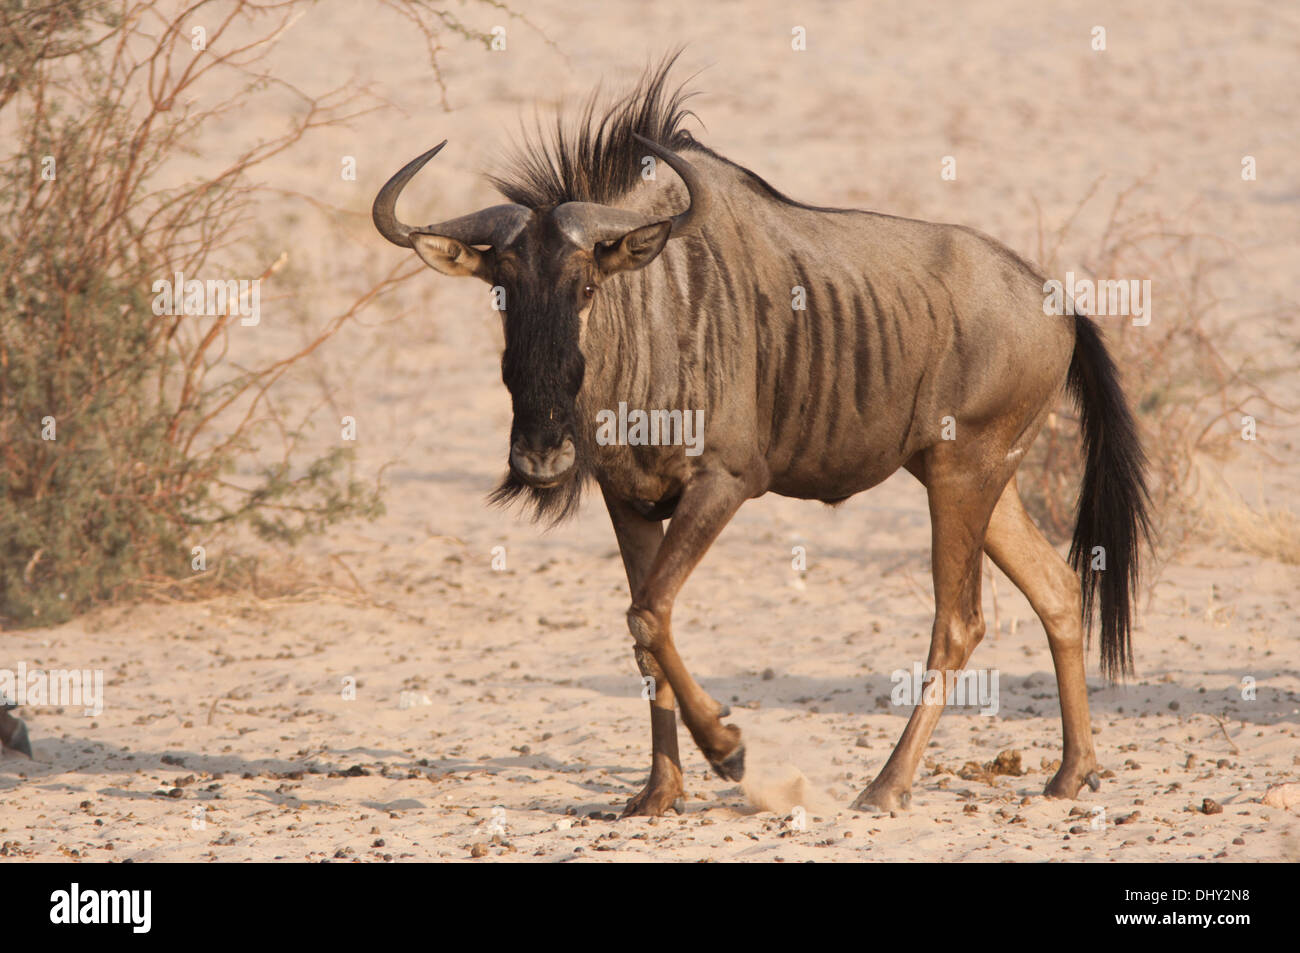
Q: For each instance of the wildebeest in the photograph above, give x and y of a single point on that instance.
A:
(679, 293)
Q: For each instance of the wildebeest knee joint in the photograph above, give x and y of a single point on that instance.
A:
(644, 628)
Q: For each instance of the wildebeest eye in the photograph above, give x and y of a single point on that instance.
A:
(588, 291)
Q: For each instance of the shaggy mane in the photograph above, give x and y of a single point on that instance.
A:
(595, 159)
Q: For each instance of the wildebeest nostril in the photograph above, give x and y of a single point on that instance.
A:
(542, 466)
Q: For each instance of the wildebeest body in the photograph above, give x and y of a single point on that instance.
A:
(830, 400)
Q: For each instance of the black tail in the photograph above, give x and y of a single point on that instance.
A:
(1113, 500)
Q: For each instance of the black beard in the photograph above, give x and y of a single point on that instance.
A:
(553, 504)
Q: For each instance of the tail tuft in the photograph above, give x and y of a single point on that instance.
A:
(1113, 501)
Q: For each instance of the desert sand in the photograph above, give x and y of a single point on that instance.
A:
(497, 711)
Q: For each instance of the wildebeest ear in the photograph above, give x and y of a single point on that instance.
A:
(634, 250)
(451, 257)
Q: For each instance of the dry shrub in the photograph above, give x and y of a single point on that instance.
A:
(128, 435)
(1188, 394)
(1263, 530)
(121, 427)
(436, 21)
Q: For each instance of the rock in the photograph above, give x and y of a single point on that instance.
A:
(479, 850)
(1209, 806)
(1007, 762)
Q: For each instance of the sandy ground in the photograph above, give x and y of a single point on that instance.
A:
(501, 707)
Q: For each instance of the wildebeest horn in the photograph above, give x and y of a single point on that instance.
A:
(698, 210)
(587, 223)
(494, 226)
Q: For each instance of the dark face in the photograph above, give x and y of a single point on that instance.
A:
(549, 261)
(550, 283)
(549, 286)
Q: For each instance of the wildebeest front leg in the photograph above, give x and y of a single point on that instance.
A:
(638, 541)
(706, 505)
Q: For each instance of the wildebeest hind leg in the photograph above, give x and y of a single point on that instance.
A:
(1052, 588)
(963, 488)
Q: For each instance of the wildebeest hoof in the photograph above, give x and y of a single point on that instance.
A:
(656, 799)
(882, 800)
(1067, 783)
(732, 767)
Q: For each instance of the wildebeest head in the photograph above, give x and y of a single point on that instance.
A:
(547, 265)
